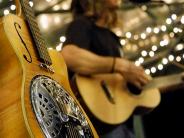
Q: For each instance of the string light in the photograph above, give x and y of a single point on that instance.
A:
(175, 30)
(128, 35)
(180, 30)
(44, 21)
(119, 33)
(179, 47)
(141, 60)
(143, 36)
(59, 47)
(65, 5)
(171, 57)
(171, 34)
(151, 53)
(147, 71)
(144, 7)
(148, 30)
(56, 8)
(6, 12)
(160, 67)
(31, 3)
(182, 19)
(154, 48)
(144, 53)
(136, 37)
(153, 70)
(62, 39)
(12, 7)
(174, 16)
(163, 28)
(168, 21)
(178, 58)
(164, 61)
(137, 63)
(156, 30)
(164, 43)
(123, 42)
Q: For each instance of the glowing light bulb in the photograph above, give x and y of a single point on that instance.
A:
(144, 53)
(160, 67)
(6, 12)
(12, 7)
(165, 61)
(62, 39)
(178, 58)
(128, 35)
(147, 71)
(153, 70)
(171, 57)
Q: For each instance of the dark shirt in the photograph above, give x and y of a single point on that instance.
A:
(85, 34)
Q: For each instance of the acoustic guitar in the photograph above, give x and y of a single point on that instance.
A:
(36, 99)
(111, 100)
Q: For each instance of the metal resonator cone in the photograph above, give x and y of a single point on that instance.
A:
(58, 114)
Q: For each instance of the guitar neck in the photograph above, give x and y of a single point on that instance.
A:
(35, 31)
(165, 83)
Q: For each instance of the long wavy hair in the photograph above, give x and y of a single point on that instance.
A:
(94, 8)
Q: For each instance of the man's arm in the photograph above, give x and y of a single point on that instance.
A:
(85, 62)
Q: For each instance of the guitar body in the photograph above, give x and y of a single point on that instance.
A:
(18, 66)
(124, 101)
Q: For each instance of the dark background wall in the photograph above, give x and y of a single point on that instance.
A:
(167, 120)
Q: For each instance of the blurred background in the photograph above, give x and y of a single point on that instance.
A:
(151, 34)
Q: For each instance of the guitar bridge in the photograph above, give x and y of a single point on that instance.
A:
(47, 67)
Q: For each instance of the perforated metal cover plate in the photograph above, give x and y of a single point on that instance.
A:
(58, 114)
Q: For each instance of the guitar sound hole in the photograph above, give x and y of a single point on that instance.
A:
(134, 89)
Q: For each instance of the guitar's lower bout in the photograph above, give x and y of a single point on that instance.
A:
(56, 111)
(32, 99)
(124, 102)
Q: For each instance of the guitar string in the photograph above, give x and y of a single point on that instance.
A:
(38, 38)
(41, 44)
(26, 9)
(35, 32)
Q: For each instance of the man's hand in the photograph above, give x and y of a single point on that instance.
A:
(132, 73)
